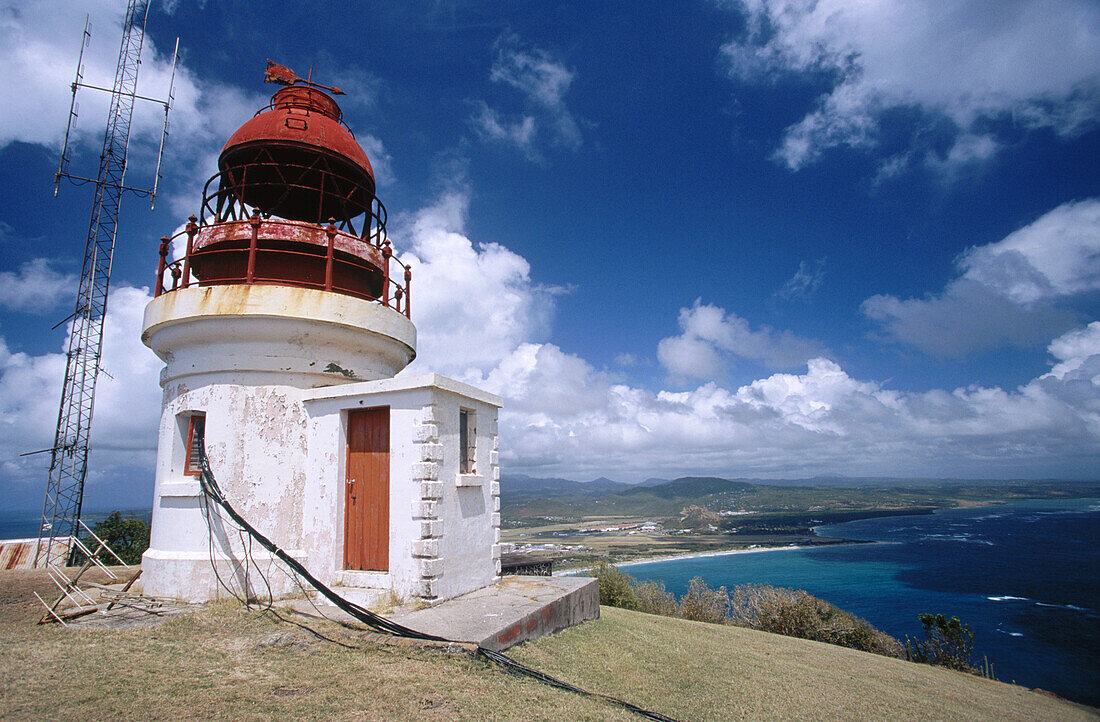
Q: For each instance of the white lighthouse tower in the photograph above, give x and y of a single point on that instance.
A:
(282, 326)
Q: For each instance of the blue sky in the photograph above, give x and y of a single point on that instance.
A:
(745, 238)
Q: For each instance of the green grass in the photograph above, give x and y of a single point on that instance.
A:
(697, 671)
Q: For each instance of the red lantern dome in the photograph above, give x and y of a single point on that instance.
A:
(293, 204)
(295, 159)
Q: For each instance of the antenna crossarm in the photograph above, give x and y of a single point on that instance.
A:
(158, 101)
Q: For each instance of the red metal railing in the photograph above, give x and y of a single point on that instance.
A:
(274, 251)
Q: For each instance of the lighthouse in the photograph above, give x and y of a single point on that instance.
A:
(283, 315)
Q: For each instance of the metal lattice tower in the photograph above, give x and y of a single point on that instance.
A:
(69, 454)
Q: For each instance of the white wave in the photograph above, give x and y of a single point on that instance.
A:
(964, 538)
(1011, 634)
(1062, 606)
(1007, 598)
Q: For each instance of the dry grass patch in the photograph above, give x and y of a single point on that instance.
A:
(229, 663)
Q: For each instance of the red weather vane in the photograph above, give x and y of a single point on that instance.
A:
(283, 75)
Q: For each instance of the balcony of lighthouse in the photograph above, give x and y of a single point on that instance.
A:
(257, 298)
(239, 244)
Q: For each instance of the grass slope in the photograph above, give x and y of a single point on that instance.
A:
(228, 663)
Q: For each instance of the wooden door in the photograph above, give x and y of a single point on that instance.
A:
(367, 491)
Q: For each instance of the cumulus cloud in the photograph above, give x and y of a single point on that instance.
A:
(1057, 255)
(472, 303)
(543, 82)
(1007, 293)
(481, 318)
(712, 338)
(1078, 354)
(36, 287)
(564, 417)
(127, 407)
(969, 63)
(39, 45)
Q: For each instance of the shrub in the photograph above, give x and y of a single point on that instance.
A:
(703, 604)
(127, 537)
(616, 586)
(653, 598)
(794, 613)
(946, 643)
(791, 612)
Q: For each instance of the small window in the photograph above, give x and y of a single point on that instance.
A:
(467, 436)
(196, 430)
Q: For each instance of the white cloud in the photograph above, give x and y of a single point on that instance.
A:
(490, 126)
(480, 316)
(806, 280)
(543, 81)
(1057, 255)
(127, 407)
(1006, 291)
(1033, 63)
(36, 287)
(472, 304)
(380, 159)
(39, 45)
(711, 338)
(1078, 354)
(533, 72)
(563, 417)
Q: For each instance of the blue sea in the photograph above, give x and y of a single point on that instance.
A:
(1024, 575)
(24, 524)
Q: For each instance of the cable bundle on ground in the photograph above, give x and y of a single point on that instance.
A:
(213, 492)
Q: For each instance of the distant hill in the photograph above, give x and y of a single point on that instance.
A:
(518, 488)
(525, 496)
(690, 487)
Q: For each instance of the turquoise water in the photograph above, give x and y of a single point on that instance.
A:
(1024, 575)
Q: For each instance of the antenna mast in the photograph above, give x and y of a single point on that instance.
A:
(69, 454)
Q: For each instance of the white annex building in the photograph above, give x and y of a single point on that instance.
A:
(282, 327)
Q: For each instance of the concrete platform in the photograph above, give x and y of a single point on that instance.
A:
(513, 610)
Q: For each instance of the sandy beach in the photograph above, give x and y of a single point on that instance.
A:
(697, 555)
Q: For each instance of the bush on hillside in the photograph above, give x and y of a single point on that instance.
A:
(616, 586)
(794, 613)
(790, 612)
(946, 643)
(653, 598)
(703, 604)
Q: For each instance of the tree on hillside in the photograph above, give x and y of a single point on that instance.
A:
(946, 643)
(128, 538)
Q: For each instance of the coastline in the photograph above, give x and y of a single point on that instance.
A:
(723, 552)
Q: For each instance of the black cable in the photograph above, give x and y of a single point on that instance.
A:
(206, 512)
(211, 490)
